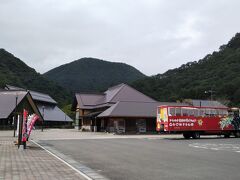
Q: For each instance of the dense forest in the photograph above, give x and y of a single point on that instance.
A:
(218, 72)
(93, 75)
(15, 72)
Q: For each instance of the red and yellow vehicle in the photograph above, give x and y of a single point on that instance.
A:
(195, 121)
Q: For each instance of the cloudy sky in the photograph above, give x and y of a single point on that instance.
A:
(151, 35)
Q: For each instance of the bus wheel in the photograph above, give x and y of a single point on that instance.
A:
(196, 135)
(237, 134)
(186, 135)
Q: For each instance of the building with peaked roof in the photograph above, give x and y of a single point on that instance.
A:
(204, 103)
(12, 103)
(53, 116)
(119, 109)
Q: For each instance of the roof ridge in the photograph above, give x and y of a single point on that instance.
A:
(38, 92)
(90, 93)
(114, 87)
(121, 87)
(138, 101)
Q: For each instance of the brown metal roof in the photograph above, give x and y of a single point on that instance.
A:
(127, 93)
(121, 92)
(205, 103)
(37, 96)
(53, 113)
(136, 109)
(8, 102)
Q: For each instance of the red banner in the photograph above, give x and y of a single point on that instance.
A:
(24, 126)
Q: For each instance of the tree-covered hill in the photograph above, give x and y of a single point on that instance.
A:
(15, 72)
(219, 72)
(90, 75)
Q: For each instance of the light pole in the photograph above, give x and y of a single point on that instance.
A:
(15, 117)
(42, 116)
(211, 93)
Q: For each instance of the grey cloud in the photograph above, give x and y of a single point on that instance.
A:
(152, 35)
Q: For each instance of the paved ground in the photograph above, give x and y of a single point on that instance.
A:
(32, 163)
(154, 157)
(101, 155)
(65, 134)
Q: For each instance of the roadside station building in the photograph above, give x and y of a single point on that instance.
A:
(119, 109)
(12, 104)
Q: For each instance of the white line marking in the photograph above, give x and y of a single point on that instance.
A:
(69, 165)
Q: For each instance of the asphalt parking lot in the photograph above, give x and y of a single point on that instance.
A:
(154, 158)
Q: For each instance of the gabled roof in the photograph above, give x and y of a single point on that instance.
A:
(135, 109)
(53, 113)
(205, 103)
(8, 102)
(121, 92)
(124, 92)
(37, 96)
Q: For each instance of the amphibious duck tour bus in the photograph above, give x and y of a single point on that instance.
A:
(195, 121)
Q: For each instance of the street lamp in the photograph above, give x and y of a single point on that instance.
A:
(211, 92)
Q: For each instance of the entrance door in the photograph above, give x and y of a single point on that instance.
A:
(119, 126)
(141, 125)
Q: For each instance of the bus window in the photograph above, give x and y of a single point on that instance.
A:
(202, 112)
(214, 112)
(184, 112)
(171, 112)
(207, 112)
(196, 112)
(191, 112)
(178, 111)
(225, 112)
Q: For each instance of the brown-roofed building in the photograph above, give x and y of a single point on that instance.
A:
(53, 116)
(119, 109)
(12, 103)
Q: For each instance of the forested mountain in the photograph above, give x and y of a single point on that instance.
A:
(219, 72)
(15, 72)
(91, 75)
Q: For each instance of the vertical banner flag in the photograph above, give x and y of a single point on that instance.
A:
(31, 121)
(24, 126)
